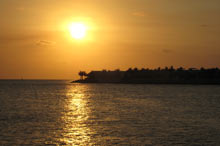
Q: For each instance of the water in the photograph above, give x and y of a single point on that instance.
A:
(57, 113)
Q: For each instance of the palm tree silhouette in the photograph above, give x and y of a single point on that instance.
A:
(82, 74)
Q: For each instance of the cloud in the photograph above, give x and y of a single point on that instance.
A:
(204, 25)
(139, 14)
(45, 43)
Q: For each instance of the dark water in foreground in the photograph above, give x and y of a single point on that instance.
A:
(60, 113)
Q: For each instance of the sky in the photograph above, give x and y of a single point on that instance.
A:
(35, 42)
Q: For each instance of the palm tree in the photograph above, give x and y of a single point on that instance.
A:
(82, 74)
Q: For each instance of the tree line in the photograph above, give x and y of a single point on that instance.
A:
(160, 75)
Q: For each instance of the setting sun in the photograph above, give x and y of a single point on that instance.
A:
(77, 30)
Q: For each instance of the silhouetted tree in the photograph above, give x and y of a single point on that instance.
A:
(171, 68)
(82, 74)
(158, 75)
(118, 70)
(135, 69)
(129, 70)
(180, 69)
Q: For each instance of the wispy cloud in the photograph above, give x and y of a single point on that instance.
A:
(139, 14)
(45, 43)
(204, 25)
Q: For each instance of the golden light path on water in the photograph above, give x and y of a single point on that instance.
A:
(76, 129)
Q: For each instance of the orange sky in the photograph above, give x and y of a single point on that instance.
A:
(35, 42)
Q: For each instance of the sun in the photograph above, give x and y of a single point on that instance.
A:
(77, 30)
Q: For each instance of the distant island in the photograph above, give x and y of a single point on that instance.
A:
(167, 75)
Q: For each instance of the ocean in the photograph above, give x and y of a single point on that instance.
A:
(58, 113)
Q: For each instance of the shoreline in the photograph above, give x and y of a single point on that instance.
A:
(145, 83)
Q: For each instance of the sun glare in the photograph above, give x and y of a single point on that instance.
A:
(77, 30)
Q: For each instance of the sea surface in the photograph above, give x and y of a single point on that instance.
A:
(58, 113)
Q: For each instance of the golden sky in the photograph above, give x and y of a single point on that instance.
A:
(35, 41)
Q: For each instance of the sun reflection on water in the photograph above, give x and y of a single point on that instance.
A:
(76, 113)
